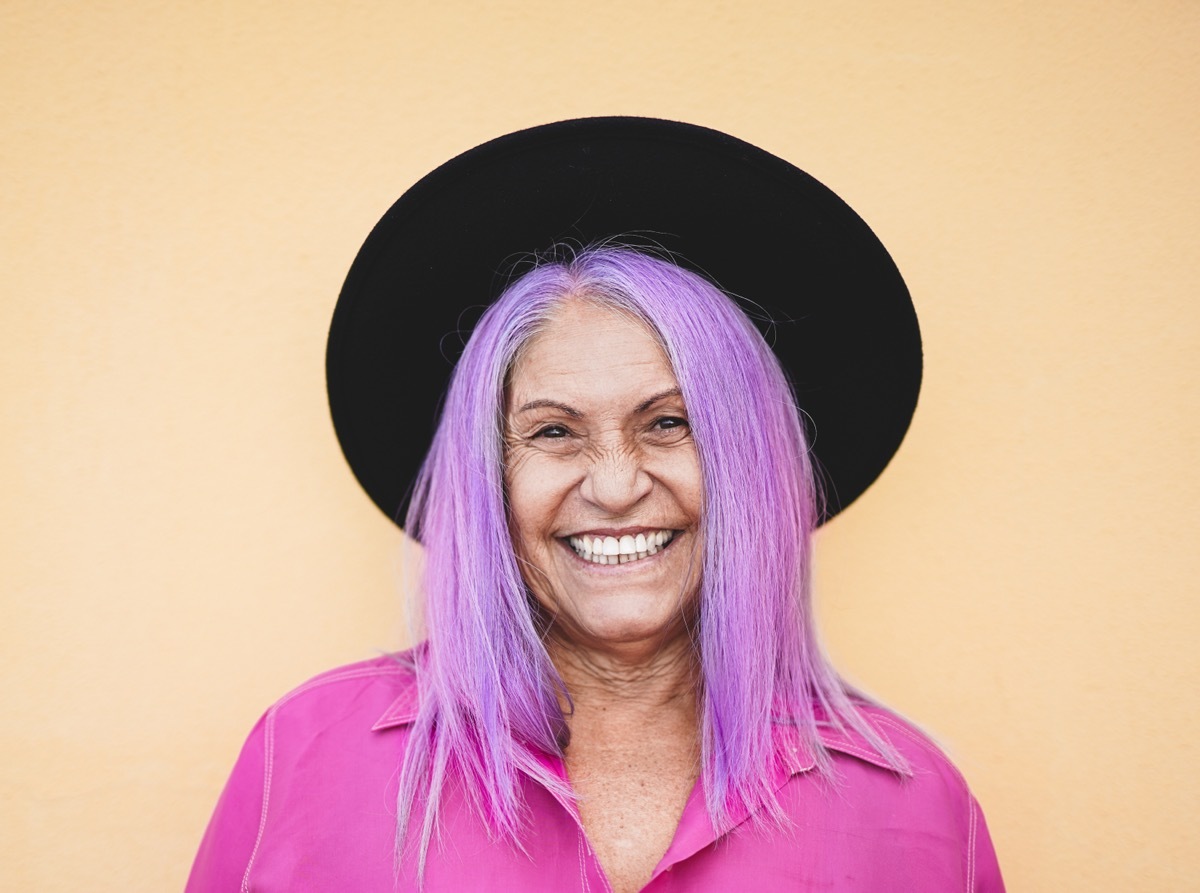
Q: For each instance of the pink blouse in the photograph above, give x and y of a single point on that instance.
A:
(311, 805)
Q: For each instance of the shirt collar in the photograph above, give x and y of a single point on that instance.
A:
(403, 710)
(793, 754)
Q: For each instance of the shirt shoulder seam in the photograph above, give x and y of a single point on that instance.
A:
(931, 749)
(364, 670)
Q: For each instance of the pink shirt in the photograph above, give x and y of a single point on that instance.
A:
(311, 805)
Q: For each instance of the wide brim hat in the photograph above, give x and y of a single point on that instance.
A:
(814, 277)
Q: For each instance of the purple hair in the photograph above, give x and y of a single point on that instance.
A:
(490, 694)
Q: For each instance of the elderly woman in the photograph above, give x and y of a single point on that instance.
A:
(621, 686)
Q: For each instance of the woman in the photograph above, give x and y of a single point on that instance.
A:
(621, 686)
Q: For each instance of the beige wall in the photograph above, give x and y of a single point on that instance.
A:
(186, 184)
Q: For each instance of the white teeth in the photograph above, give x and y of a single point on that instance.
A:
(611, 550)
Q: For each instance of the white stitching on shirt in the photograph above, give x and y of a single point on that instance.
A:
(584, 885)
(268, 768)
(971, 847)
(928, 747)
(973, 807)
(341, 677)
(845, 747)
(269, 746)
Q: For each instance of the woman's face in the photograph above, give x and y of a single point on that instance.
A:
(603, 481)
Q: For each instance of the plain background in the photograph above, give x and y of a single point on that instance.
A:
(186, 184)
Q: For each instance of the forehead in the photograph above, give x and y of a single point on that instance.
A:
(590, 346)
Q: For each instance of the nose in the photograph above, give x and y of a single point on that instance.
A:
(616, 482)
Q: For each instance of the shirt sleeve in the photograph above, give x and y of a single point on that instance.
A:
(985, 869)
(229, 843)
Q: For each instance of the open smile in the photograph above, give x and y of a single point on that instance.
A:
(622, 549)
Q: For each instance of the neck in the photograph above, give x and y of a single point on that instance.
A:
(627, 681)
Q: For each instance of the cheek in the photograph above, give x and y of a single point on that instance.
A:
(680, 473)
(693, 485)
(535, 496)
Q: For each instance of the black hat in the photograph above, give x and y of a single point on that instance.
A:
(804, 266)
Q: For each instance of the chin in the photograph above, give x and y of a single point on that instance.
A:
(601, 606)
(624, 624)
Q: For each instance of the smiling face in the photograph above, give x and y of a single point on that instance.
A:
(604, 485)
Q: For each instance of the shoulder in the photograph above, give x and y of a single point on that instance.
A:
(365, 685)
(307, 766)
(913, 818)
(395, 669)
(926, 779)
(915, 747)
(316, 776)
(935, 792)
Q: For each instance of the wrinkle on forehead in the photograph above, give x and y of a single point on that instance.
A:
(582, 306)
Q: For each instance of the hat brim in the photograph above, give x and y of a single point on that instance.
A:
(801, 262)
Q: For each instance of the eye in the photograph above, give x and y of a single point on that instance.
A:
(669, 429)
(553, 432)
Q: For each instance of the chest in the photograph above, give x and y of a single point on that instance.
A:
(630, 804)
(852, 840)
(330, 826)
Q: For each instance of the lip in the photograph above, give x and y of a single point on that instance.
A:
(628, 567)
(625, 567)
(617, 532)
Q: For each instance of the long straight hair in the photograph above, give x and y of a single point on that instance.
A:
(490, 696)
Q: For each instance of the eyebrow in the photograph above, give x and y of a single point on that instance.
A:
(662, 395)
(552, 404)
(576, 414)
